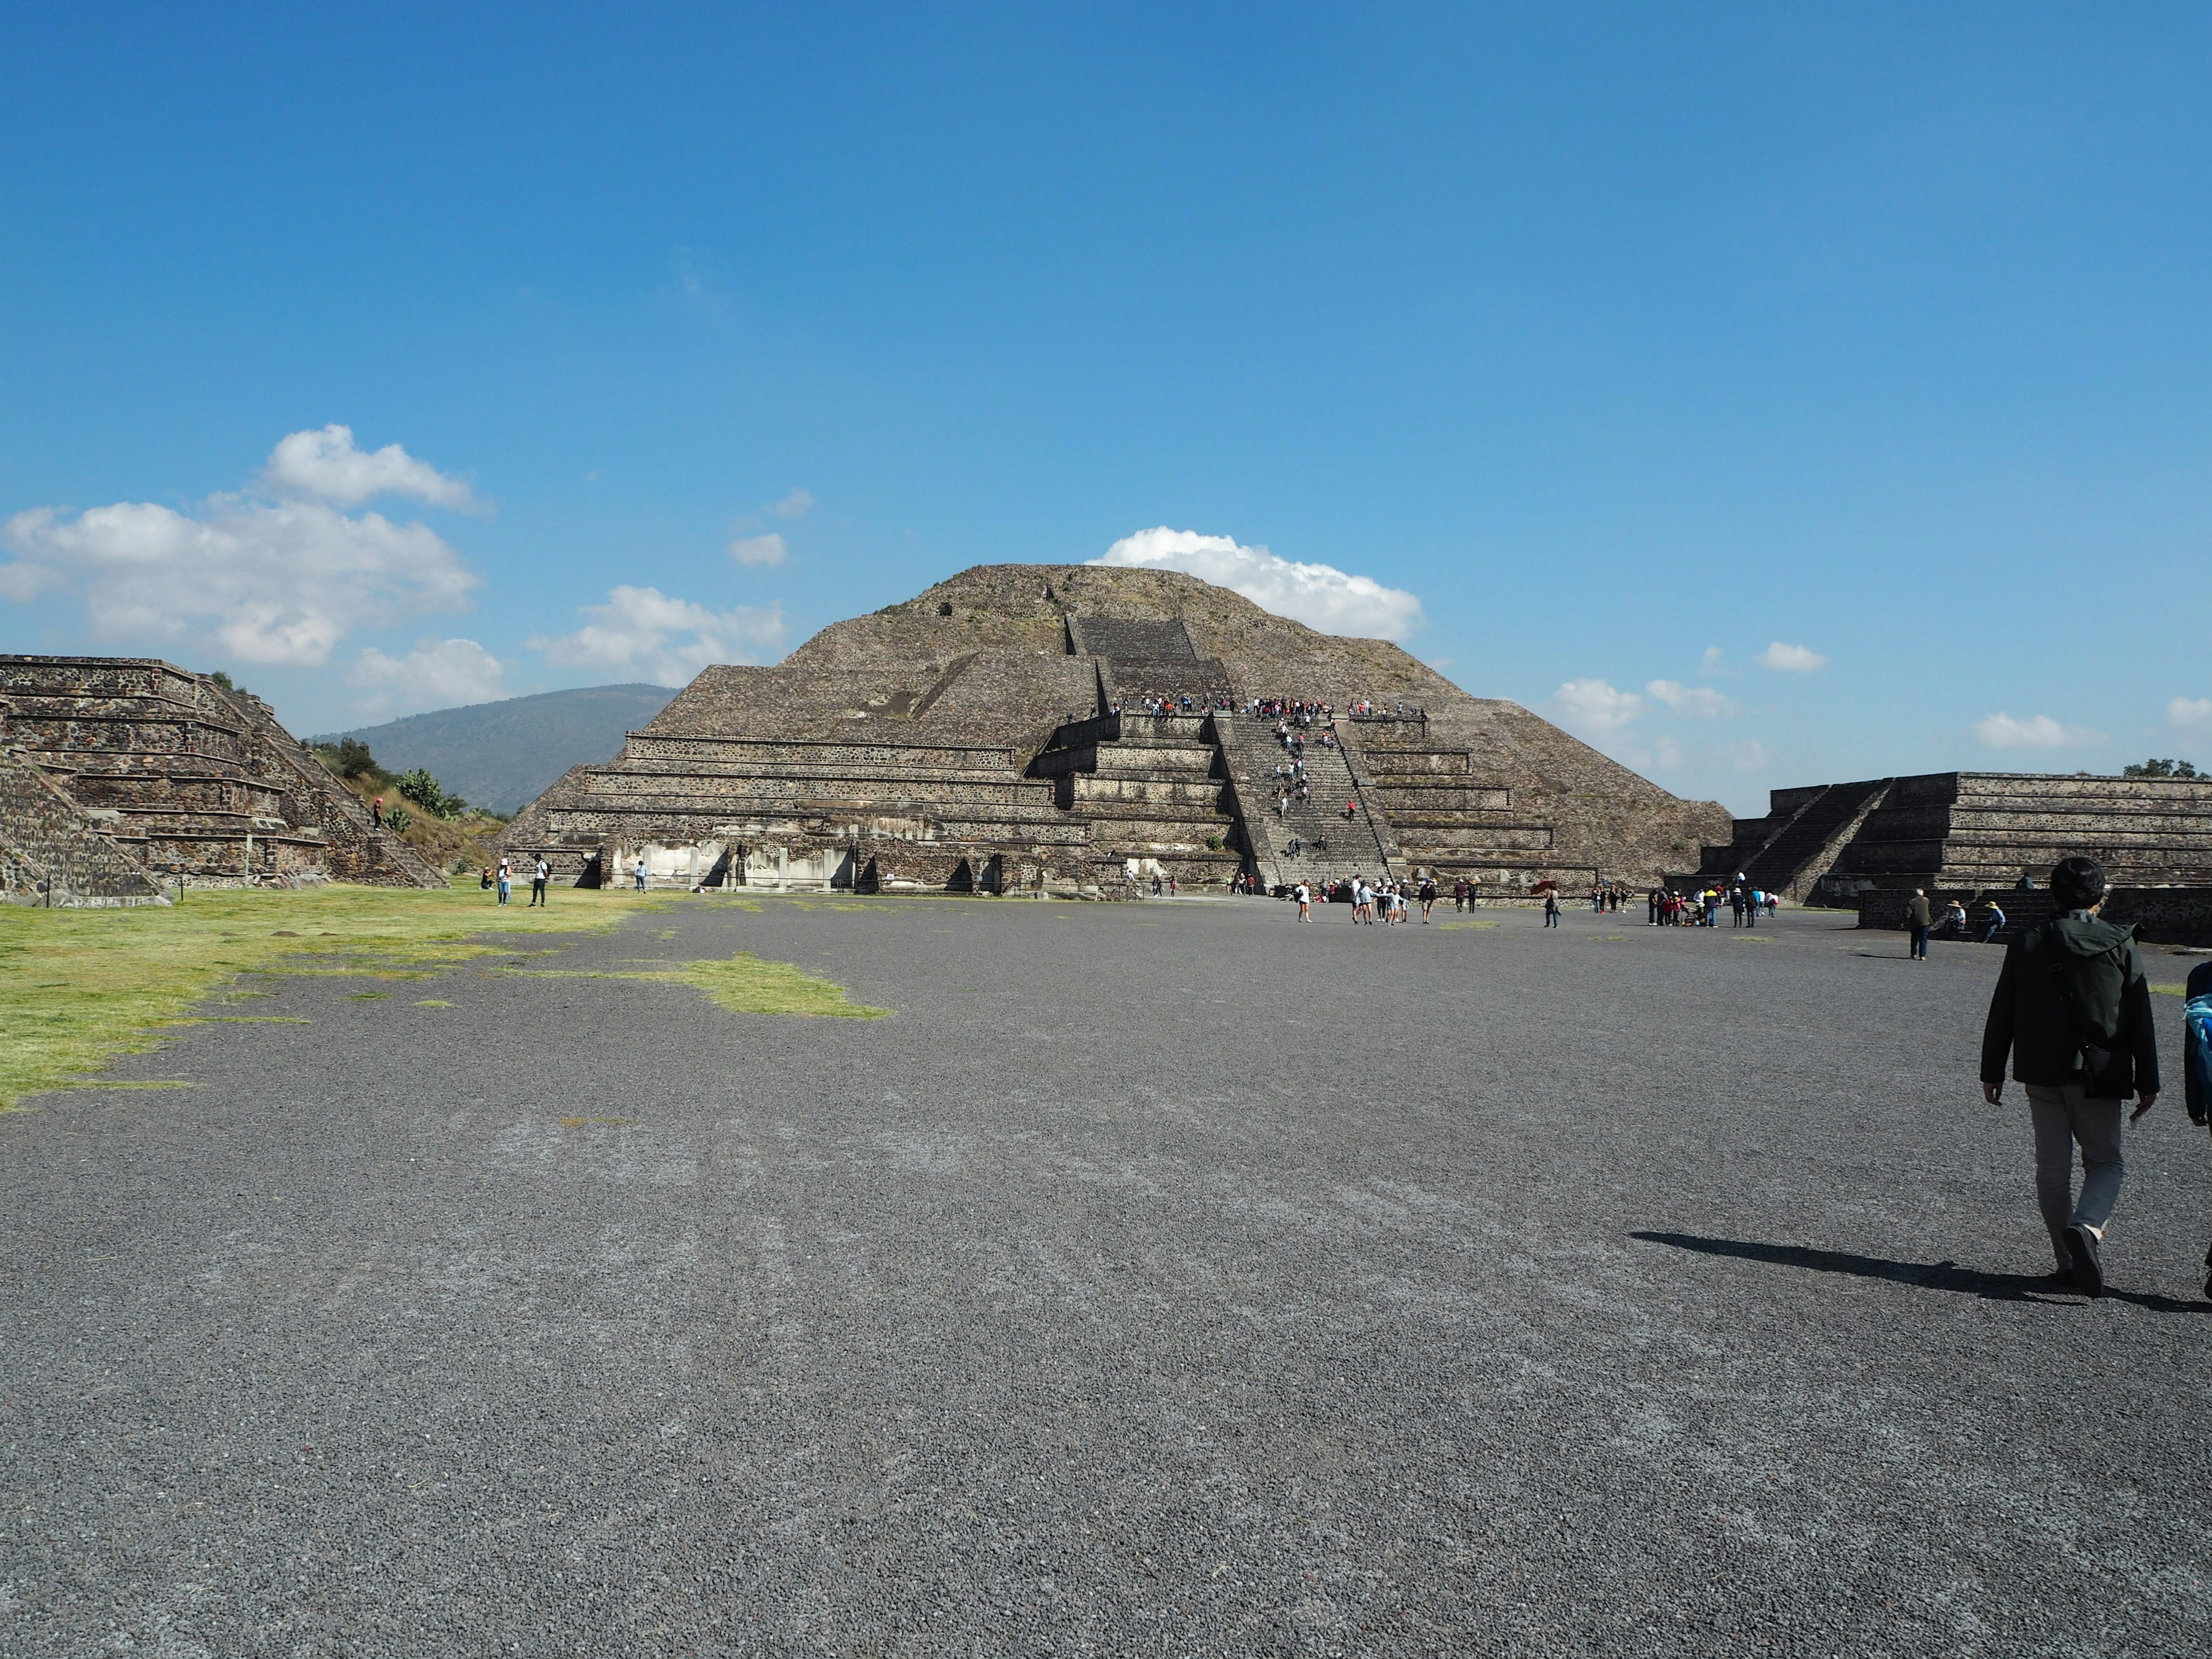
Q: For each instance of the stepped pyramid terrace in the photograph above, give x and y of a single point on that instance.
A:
(1973, 835)
(120, 776)
(1074, 729)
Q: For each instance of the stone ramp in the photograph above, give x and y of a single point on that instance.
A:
(1796, 845)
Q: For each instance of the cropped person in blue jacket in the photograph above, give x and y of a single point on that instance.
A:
(2197, 1060)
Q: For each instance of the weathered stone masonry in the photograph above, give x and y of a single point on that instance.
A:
(998, 733)
(175, 778)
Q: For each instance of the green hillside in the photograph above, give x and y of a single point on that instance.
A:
(503, 755)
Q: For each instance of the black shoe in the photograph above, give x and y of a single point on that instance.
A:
(2088, 1267)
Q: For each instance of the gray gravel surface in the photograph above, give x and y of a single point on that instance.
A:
(1163, 1278)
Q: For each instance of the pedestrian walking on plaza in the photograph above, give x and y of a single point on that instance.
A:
(1305, 903)
(1738, 901)
(2072, 1010)
(1917, 918)
(640, 872)
(539, 878)
(2197, 1061)
(1552, 908)
(1428, 897)
(1997, 923)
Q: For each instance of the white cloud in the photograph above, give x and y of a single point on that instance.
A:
(640, 630)
(1701, 701)
(1319, 595)
(1712, 662)
(1593, 706)
(324, 465)
(2187, 712)
(1790, 658)
(1748, 757)
(759, 550)
(436, 674)
(272, 582)
(2002, 731)
(796, 505)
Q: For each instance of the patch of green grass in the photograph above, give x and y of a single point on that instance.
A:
(77, 987)
(434, 1002)
(1485, 921)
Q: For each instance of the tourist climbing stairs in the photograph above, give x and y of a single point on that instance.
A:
(1329, 845)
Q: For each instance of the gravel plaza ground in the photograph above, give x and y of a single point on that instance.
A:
(1163, 1278)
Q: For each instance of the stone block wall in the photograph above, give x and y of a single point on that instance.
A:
(189, 779)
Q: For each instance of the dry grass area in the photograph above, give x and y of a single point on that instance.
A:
(79, 986)
(744, 984)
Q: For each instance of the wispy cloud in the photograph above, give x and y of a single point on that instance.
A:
(2189, 714)
(324, 465)
(1593, 705)
(759, 550)
(641, 630)
(1701, 702)
(1319, 595)
(796, 505)
(2002, 730)
(1789, 659)
(436, 674)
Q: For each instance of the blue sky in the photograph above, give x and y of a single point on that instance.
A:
(1613, 349)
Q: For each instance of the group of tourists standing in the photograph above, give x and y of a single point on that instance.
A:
(1746, 902)
(1390, 899)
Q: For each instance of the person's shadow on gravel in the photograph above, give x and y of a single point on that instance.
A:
(1921, 1275)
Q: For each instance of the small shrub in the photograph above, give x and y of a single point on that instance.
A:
(396, 819)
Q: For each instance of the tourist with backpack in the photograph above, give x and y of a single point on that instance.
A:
(2072, 1010)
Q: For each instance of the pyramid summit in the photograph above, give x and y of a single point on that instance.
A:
(1070, 728)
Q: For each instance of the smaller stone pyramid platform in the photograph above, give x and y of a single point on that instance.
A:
(170, 777)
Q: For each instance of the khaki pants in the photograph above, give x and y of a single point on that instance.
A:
(2065, 1118)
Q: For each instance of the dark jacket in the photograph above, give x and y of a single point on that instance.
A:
(1917, 914)
(2070, 981)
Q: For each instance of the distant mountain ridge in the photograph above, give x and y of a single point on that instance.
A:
(504, 755)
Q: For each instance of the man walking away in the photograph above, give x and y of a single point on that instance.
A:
(1552, 908)
(539, 877)
(1918, 919)
(2073, 1010)
(640, 872)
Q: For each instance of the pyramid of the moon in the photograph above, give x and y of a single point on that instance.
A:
(1073, 728)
